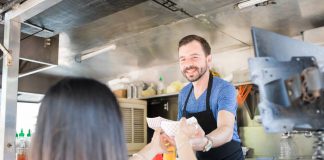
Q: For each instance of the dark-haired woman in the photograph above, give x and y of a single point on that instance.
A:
(80, 119)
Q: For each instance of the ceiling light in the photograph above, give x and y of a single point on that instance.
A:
(250, 3)
(86, 54)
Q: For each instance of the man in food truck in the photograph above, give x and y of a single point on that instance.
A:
(211, 100)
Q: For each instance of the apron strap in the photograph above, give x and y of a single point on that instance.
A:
(209, 88)
(184, 113)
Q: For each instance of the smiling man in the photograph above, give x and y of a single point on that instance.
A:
(211, 100)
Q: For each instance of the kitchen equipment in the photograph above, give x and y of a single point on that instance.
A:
(288, 148)
(132, 91)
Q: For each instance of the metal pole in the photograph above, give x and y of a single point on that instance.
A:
(8, 109)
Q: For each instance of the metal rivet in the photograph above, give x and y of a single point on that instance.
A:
(9, 145)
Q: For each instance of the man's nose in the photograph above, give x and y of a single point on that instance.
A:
(187, 63)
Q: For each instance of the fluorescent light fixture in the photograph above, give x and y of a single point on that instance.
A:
(88, 54)
(248, 3)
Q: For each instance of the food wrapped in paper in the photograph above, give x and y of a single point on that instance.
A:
(168, 126)
(154, 123)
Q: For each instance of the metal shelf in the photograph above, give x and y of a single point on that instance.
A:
(176, 94)
(159, 96)
(242, 83)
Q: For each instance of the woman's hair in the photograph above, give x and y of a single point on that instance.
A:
(79, 119)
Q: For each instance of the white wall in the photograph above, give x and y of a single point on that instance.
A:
(26, 116)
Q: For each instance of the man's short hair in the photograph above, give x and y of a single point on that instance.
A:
(204, 44)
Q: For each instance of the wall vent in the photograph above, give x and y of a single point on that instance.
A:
(134, 120)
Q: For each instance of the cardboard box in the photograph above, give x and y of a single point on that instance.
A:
(121, 93)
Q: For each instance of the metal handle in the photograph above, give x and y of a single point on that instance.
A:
(6, 52)
(166, 106)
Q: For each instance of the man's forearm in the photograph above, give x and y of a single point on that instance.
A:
(221, 135)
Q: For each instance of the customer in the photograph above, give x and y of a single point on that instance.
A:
(80, 119)
(182, 138)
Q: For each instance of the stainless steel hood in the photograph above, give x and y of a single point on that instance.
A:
(146, 33)
(74, 13)
(39, 43)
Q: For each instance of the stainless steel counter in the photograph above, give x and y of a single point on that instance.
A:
(274, 158)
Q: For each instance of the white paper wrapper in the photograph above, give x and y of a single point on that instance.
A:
(168, 126)
(155, 122)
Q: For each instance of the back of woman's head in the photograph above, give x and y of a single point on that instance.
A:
(79, 119)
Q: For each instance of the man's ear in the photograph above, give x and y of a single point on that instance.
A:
(209, 60)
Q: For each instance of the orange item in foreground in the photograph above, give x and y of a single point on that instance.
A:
(171, 155)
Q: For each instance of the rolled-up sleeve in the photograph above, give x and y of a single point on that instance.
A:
(227, 99)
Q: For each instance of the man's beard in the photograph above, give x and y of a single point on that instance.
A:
(194, 78)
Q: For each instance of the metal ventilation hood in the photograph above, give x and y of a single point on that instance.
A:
(70, 14)
(146, 33)
(35, 56)
(40, 36)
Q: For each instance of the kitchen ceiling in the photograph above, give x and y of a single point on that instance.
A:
(70, 14)
(146, 33)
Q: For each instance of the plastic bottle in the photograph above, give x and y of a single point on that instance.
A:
(21, 139)
(16, 143)
(28, 139)
(160, 87)
(21, 149)
(28, 144)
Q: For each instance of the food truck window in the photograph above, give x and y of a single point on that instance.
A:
(26, 116)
